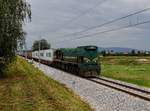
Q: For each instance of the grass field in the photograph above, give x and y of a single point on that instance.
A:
(26, 89)
(130, 69)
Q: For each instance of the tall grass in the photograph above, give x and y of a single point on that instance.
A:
(128, 69)
(25, 88)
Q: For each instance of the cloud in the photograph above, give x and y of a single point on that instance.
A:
(51, 19)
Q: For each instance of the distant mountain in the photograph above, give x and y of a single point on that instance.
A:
(117, 49)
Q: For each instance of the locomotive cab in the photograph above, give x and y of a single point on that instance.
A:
(82, 60)
(90, 67)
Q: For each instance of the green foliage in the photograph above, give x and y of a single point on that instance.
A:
(13, 14)
(2, 65)
(103, 53)
(133, 52)
(43, 44)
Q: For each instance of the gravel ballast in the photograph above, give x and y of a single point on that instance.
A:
(100, 98)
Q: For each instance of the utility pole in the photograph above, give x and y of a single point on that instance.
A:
(39, 49)
(25, 45)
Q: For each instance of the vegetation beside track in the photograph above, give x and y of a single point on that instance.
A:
(25, 88)
(132, 69)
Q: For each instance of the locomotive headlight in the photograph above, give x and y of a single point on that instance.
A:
(95, 60)
(87, 60)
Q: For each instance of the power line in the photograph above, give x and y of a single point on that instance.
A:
(83, 13)
(107, 31)
(109, 22)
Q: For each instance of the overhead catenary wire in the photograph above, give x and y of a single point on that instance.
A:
(107, 31)
(106, 23)
(82, 14)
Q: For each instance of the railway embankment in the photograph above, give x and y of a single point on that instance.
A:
(100, 97)
(25, 88)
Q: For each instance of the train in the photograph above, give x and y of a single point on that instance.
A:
(83, 60)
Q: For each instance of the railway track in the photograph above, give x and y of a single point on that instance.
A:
(131, 90)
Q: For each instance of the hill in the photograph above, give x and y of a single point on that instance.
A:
(117, 49)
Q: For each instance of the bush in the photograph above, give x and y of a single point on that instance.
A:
(2, 67)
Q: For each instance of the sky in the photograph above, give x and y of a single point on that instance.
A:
(56, 20)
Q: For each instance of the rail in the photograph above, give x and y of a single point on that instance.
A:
(129, 89)
(134, 91)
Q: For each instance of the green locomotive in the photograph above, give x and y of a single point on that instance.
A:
(83, 60)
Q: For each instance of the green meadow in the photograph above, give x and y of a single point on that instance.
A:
(130, 69)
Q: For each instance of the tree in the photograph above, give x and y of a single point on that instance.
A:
(43, 44)
(139, 53)
(112, 51)
(103, 53)
(133, 52)
(13, 14)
